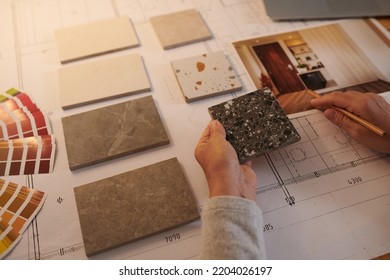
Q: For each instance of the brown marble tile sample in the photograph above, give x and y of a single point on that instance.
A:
(113, 131)
(134, 205)
(180, 28)
(255, 124)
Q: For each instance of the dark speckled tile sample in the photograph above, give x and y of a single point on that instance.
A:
(113, 131)
(255, 124)
(134, 205)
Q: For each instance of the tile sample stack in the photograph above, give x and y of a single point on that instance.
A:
(180, 28)
(255, 124)
(205, 75)
(94, 81)
(18, 207)
(134, 205)
(27, 145)
(113, 131)
(105, 36)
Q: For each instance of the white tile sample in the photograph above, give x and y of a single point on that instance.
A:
(101, 80)
(205, 75)
(95, 38)
(180, 28)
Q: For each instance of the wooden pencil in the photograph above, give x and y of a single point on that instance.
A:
(352, 116)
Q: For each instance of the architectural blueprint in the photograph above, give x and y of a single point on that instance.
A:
(326, 197)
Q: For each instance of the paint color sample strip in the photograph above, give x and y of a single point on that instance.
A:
(27, 145)
(20, 117)
(19, 124)
(16, 110)
(9, 237)
(15, 124)
(18, 206)
(9, 94)
(32, 155)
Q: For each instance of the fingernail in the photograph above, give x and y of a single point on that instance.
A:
(314, 101)
(214, 124)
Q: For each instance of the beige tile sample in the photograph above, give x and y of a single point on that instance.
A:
(205, 75)
(134, 205)
(107, 78)
(95, 38)
(113, 131)
(180, 28)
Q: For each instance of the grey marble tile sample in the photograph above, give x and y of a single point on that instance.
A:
(255, 124)
(205, 75)
(113, 131)
(134, 205)
(103, 79)
(180, 28)
(96, 38)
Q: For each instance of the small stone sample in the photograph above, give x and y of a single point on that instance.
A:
(180, 28)
(255, 124)
(205, 75)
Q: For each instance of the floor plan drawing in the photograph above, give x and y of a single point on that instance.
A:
(327, 175)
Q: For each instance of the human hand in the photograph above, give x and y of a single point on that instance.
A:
(219, 161)
(369, 106)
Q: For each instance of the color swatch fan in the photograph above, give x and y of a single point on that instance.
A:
(255, 124)
(27, 145)
(18, 207)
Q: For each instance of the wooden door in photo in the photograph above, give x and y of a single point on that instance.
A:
(279, 67)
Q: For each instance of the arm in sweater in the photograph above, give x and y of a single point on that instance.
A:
(232, 228)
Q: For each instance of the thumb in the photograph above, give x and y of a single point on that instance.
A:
(217, 129)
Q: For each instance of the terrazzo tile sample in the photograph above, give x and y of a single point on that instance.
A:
(205, 75)
(134, 205)
(255, 124)
(95, 81)
(113, 131)
(100, 37)
(180, 28)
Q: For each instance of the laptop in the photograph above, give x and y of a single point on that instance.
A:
(325, 9)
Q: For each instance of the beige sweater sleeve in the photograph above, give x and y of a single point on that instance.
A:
(232, 228)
